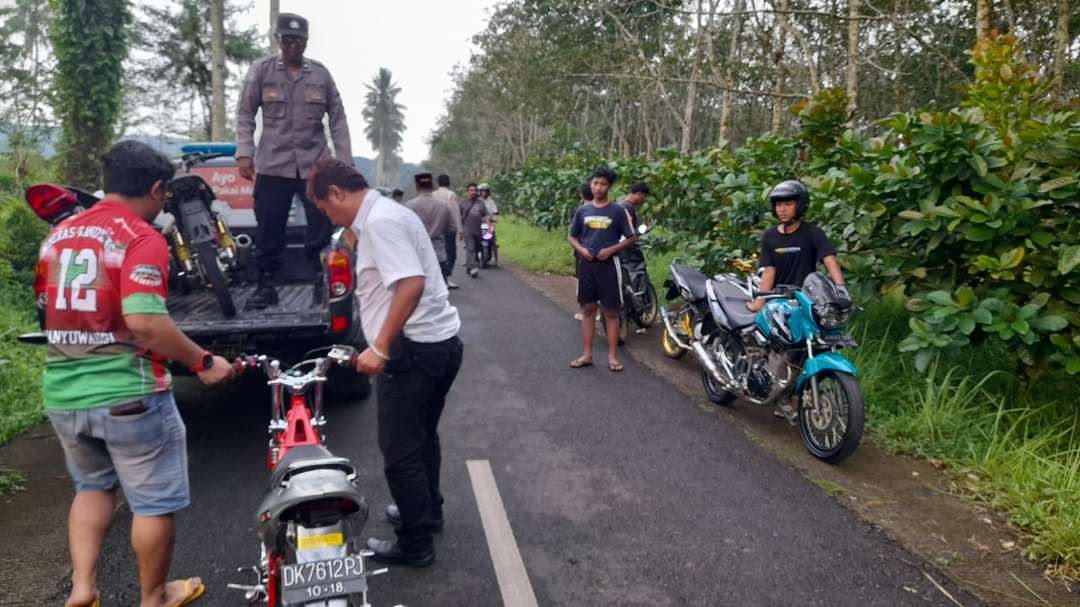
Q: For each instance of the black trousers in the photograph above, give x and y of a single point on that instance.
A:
(411, 396)
(451, 254)
(273, 199)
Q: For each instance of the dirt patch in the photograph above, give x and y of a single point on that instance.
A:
(914, 502)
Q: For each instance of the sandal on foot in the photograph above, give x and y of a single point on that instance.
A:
(579, 363)
(193, 589)
(615, 367)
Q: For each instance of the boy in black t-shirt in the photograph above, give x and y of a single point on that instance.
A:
(792, 250)
(595, 234)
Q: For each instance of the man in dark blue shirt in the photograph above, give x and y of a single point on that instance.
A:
(600, 230)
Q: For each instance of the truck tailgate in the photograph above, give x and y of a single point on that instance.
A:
(198, 314)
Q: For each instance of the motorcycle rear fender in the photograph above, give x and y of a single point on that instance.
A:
(820, 363)
(306, 486)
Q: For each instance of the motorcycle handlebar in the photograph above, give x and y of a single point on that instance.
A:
(341, 355)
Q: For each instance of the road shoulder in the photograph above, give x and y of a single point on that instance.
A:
(914, 503)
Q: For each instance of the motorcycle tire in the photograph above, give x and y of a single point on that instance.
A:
(485, 257)
(212, 271)
(716, 393)
(647, 317)
(671, 349)
(811, 422)
(624, 327)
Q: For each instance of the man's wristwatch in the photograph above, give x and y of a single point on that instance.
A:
(205, 362)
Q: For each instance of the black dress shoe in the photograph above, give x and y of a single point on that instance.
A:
(388, 552)
(393, 516)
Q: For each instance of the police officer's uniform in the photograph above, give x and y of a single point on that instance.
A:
(292, 141)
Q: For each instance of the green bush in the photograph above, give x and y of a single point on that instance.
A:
(972, 213)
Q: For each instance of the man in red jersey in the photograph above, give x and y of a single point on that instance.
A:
(107, 390)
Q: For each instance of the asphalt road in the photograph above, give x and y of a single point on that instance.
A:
(619, 490)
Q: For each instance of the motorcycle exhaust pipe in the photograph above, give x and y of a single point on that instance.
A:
(710, 366)
(671, 330)
(243, 249)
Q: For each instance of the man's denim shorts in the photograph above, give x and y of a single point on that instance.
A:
(140, 446)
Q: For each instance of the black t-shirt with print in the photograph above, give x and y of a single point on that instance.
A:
(794, 255)
(599, 228)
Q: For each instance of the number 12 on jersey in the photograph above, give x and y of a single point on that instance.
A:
(82, 298)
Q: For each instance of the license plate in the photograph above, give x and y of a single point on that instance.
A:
(319, 580)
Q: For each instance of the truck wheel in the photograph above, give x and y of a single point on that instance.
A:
(347, 386)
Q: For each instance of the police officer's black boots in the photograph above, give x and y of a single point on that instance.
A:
(265, 294)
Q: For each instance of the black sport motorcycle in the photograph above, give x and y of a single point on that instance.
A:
(205, 252)
(640, 304)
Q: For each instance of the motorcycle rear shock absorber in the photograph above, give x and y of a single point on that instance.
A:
(181, 250)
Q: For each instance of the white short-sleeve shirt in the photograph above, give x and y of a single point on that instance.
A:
(392, 244)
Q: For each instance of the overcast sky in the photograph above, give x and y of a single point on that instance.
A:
(419, 41)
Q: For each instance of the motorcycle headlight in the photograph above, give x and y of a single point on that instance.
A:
(831, 316)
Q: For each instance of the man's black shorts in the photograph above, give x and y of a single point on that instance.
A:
(600, 281)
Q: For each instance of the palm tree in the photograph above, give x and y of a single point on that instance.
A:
(385, 122)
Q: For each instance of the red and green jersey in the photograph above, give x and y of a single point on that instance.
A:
(100, 265)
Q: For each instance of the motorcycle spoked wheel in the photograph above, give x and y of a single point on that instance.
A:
(672, 349)
(647, 317)
(832, 428)
(624, 325)
(716, 393)
(212, 271)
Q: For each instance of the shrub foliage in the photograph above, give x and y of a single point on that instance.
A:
(971, 213)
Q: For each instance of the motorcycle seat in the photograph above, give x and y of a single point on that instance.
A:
(692, 278)
(307, 457)
(733, 300)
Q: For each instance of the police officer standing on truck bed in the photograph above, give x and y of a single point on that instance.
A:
(294, 93)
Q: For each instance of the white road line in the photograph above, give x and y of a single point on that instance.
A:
(509, 568)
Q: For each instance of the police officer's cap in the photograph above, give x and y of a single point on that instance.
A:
(423, 180)
(290, 24)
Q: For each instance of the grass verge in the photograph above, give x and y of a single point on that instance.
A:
(1015, 447)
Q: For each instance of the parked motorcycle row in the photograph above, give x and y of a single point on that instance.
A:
(785, 356)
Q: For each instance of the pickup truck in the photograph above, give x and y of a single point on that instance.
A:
(301, 321)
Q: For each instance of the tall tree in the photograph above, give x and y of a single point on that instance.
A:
(90, 41)
(275, 10)
(852, 71)
(24, 81)
(217, 69)
(738, 16)
(177, 39)
(983, 19)
(1061, 49)
(385, 123)
(780, 74)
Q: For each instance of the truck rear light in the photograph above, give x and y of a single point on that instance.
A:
(339, 273)
(338, 324)
(51, 202)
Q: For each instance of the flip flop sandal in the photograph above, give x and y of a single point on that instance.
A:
(615, 367)
(578, 363)
(191, 593)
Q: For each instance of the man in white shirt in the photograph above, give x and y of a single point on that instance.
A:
(414, 352)
(453, 231)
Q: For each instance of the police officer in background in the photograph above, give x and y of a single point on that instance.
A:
(294, 92)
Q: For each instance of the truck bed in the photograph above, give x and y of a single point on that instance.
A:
(199, 315)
